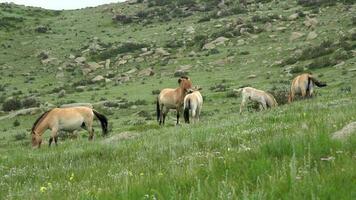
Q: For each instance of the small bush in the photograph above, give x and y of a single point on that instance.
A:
(16, 123)
(231, 94)
(322, 62)
(280, 94)
(297, 69)
(20, 136)
(30, 102)
(11, 104)
(156, 92)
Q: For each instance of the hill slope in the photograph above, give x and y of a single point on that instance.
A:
(117, 56)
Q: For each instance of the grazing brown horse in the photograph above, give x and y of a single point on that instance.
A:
(172, 99)
(193, 102)
(303, 84)
(67, 119)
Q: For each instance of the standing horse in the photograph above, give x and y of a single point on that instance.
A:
(172, 99)
(265, 99)
(303, 84)
(67, 119)
(194, 102)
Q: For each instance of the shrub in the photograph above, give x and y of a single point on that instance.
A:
(30, 102)
(114, 51)
(20, 136)
(322, 62)
(124, 19)
(297, 69)
(16, 123)
(11, 104)
(155, 92)
(280, 94)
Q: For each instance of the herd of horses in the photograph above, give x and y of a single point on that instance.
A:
(185, 98)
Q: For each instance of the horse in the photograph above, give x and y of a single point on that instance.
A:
(303, 84)
(66, 119)
(265, 99)
(172, 99)
(194, 102)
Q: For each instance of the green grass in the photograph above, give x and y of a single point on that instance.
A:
(282, 153)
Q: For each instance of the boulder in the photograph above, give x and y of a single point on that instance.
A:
(80, 60)
(293, 17)
(218, 41)
(146, 72)
(98, 78)
(131, 71)
(123, 78)
(160, 51)
(190, 30)
(296, 35)
(93, 66)
(312, 35)
(310, 22)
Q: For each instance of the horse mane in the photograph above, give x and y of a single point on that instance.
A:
(38, 120)
(185, 77)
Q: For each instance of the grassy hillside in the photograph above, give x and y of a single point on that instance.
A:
(50, 58)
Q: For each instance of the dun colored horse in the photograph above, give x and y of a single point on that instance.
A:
(172, 99)
(194, 102)
(265, 99)
(67, 119)
(303, 84)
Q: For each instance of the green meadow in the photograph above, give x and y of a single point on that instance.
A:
(282, 153)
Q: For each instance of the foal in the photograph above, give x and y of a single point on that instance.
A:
(265, 99)
(194, 102)
(172, 99)
(67, 119)
(303, 84)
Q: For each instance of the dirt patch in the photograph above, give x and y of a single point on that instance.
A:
(345, 132)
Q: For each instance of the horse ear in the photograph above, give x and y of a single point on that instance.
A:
(179, 80)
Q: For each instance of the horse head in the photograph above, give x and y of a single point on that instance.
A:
(185, 83)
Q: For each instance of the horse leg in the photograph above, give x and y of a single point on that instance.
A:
(161, 115)
(304, 92)
(53, 136)
(177, 116)
(194, 116)
(242, 105)
(56, 140)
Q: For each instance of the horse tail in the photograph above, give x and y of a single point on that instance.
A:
(317, 83)
(158, 111)
(103, 121)
(186, 110)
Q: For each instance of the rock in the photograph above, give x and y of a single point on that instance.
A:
(98, 78)
(80, 60)
(352, 31)
(293, 17)
(312, 35)
(146, 72)
(61, 93)
(131, 71)
(123, 78)
(218, 41)
(80, 88)
(86, 71)
(160, 51)
(50, 61)
(251, 76)
(310, 22)
(190, 30)
(139, 59)
(282, 29)
(296, 35)
(93, 66)
(185, 67)
(144, 49)
(27, 111)
(268, 27)
(209, 46)
(60, 75)
(240, 42)
(107, 63)
(89, 105)
(223, 62)
(345, 132)
(71, 56)
(127, 57)
(147, 53)
(180, 73)
(121, 62)
(192, 54)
